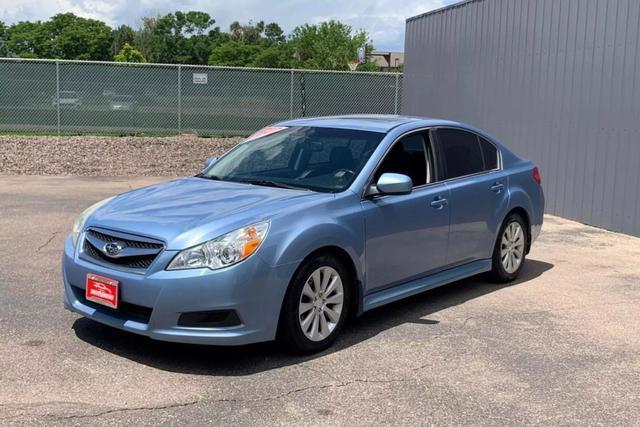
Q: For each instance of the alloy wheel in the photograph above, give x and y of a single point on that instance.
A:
(321, 303)
(512, 247)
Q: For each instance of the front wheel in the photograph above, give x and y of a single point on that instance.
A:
(315, 306)
(509, 251)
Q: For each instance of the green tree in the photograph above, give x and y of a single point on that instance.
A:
(368, 66)
(4, 50)
(327, 46)
(29, 40)
(166, 32)
(246, 34)
(122, 35)
(188, 38)
(274, 34)
(256, 45)
(177, 37)
(197, 48)
(195, 22)
(74, 37)
(143, 39)
(234, 54)
(129, 54)
(64, 36)
(276, 56)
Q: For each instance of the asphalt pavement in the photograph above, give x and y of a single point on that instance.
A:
(559, 346)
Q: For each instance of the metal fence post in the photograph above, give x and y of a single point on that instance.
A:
(303, 94)
(179, 99)
(291, 97)
(395, 108)
(58, 95)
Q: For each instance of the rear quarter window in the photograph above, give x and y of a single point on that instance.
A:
(489, 154)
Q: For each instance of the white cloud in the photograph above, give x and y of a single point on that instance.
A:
(383, 19)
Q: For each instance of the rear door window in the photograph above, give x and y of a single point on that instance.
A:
(460, 153)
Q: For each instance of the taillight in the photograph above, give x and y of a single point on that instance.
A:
(536, 176)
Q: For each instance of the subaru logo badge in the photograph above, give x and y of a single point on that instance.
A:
(113, 248)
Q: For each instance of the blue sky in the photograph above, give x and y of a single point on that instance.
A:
(383, 19)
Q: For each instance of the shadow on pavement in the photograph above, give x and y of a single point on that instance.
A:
(247, 360)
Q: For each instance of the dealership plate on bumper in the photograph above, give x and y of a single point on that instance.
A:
(102, 290)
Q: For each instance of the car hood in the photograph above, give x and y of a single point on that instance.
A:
(189, 211)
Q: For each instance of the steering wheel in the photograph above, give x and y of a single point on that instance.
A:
(345, 170)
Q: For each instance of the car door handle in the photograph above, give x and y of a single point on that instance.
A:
(439, 202)
(497, 187)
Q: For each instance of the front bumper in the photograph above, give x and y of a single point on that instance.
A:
(252, 288)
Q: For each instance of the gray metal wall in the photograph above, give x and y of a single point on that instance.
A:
(556, 80)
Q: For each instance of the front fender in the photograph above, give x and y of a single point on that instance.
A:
(295, 247)
(338, 223)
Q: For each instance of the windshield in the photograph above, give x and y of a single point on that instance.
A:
(314, 158)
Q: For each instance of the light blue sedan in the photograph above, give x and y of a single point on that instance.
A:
(304, 223)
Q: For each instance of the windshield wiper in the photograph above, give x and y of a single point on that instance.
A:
(269, 183)
(213, 177)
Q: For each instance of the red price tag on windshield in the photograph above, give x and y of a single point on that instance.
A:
(265, 131)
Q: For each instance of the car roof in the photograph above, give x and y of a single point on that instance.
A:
(368, 122)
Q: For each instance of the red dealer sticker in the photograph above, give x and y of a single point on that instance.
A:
(102, 290)
(265, 131)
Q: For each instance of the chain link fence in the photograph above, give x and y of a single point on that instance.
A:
(101, 97)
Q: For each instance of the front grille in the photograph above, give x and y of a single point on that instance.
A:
(140, 261)
(125, 310)
(129, 243)
(140, 253)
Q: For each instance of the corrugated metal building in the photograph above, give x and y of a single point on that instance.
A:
(556, 80)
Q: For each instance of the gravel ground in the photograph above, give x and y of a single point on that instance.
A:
(108, 156)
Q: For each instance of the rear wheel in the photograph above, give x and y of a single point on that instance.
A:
(509, 251)
(315, 306)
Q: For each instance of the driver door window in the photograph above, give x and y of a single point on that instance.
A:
(409, 156)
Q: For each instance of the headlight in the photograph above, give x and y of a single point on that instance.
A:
(79, 224)
(222, 251)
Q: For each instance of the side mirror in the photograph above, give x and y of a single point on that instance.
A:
(392, 183)
(210, 161)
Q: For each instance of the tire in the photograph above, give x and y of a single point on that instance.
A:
(513, 243)
(304, 303)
